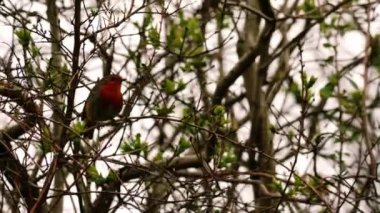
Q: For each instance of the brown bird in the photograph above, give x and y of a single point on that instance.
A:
(103, 103)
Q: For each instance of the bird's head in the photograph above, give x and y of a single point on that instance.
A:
(110, 86)
(113, 79)
(111, 82)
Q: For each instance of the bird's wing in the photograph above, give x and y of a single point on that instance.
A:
(92, 97)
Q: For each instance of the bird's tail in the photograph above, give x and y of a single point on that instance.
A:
(89, 130)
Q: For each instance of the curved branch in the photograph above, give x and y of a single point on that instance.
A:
(129, 172)
(13, 170)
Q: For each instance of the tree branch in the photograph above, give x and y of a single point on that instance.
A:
(16, 173)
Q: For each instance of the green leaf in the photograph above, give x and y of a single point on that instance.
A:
(311, 82)
(154, 37)
(94, 175)
(334, 79)
(184, 144)
(148, 18)
(328, 45)
(228, 158)
(349, 105)
(24, 37)
(327, 90)
(92, 171)
(164, 110)
(180, 85)
(186, 67)
(94, 12)
(298, 182)
(199, 62)
(172, 87)
(276, 185)
(169, 86)
(187, 114)
(357, 96)
(218, 116)
(329, 59)
(310, 8)
(78, 127)
(45, 145)
(111, 177)
(219, 110)
(159, 157)
(175, 38)
(35, 51)
(126, 148)
(295, 90)
(193, 24)
(324, 26)
(134, 146)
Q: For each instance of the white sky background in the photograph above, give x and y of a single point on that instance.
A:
(351, 44)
